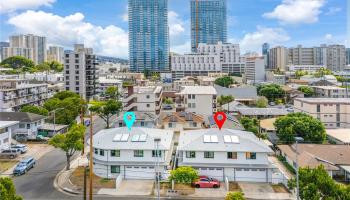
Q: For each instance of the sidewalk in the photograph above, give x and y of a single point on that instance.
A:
(62, 181)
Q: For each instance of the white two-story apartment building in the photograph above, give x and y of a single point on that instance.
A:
(6, 129)
(143, 99)
(132, 153)
(198, 99)
(332, 112)
(226, 153)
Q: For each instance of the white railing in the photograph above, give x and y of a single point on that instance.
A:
(118, 181)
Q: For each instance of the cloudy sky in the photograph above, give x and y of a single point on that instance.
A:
(102, 24)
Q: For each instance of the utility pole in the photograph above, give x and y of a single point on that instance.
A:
(158, 154)
(91, 161)
(82, 122)
(297, 139)
(85, 174)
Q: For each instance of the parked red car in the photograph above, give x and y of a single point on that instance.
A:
(206, 182)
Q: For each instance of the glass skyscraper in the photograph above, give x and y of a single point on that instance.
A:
(208, 22)
(148, 35)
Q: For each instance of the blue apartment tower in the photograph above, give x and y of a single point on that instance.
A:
(208, 22)
(148, 35)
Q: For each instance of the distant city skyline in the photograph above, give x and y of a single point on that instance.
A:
(104, 25)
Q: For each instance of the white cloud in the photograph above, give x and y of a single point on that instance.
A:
(297, 11)
(7, 6)
(328, 37)
(67, 30)
(333, 10)
(125, 16)
(176, 25)
(253, 41)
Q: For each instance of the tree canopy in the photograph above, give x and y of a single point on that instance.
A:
(35, 109)
(300, 125)
(308, 91)
(68, 106)
(185, 175)
(317, 184)
(70, 142)
(300, 73)
(322, 72)
(17, 62)
(224, 81)
(222, 99)
(272, 92)
(112, 92)
(106, 109)
(8, 190)
(168, 101)
(261, 102)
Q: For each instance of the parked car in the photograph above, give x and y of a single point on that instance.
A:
(272, 103)
(25, 165)
(21, 147)
(167, 107)
(206, 182)
(10, 153)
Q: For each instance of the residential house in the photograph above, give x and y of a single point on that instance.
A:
(49, 130)
(197, 99)
(132, 153)
(267, 126)
(246, 95)
(261, 113)
(339, 135)
(226, 153)
(28, 126)
(6, 129)
(332, 112)
(332, 157)
(231, 122)
(179, 121)
(330, 92)
(143, 119)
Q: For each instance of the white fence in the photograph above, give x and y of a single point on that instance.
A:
(118, 181)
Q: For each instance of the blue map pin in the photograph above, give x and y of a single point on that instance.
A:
(129, 119)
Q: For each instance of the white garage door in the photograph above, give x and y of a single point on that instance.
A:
(251, 175)
(212, 172)
(139, 172)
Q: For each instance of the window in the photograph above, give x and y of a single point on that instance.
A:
(190, 154)
(156, 153)
(208, 154)
(318, 108)
(147, 105)
(115, 169)
(193, 96)
(147, 96)
(21, 125)
(28, 126)
(96, 151)
(115, 153)
(250, 155)
(138, 153)
(189, 96)
(102, 152)
(338, 108)
(142, 123)
(231, 155)
(170, 125)
(194, 124)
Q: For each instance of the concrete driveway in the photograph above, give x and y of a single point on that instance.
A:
(131, 187)
(262, 191)
(210, 192)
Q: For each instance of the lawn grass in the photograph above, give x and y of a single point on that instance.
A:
(5, 165)
(77, 178)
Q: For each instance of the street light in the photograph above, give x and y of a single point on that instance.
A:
(54, 119)
(297, 139)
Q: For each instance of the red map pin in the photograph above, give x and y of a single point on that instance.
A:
(220, 118)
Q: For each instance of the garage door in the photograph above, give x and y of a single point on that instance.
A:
(212, 172)
(139, 172)
(251, 174)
